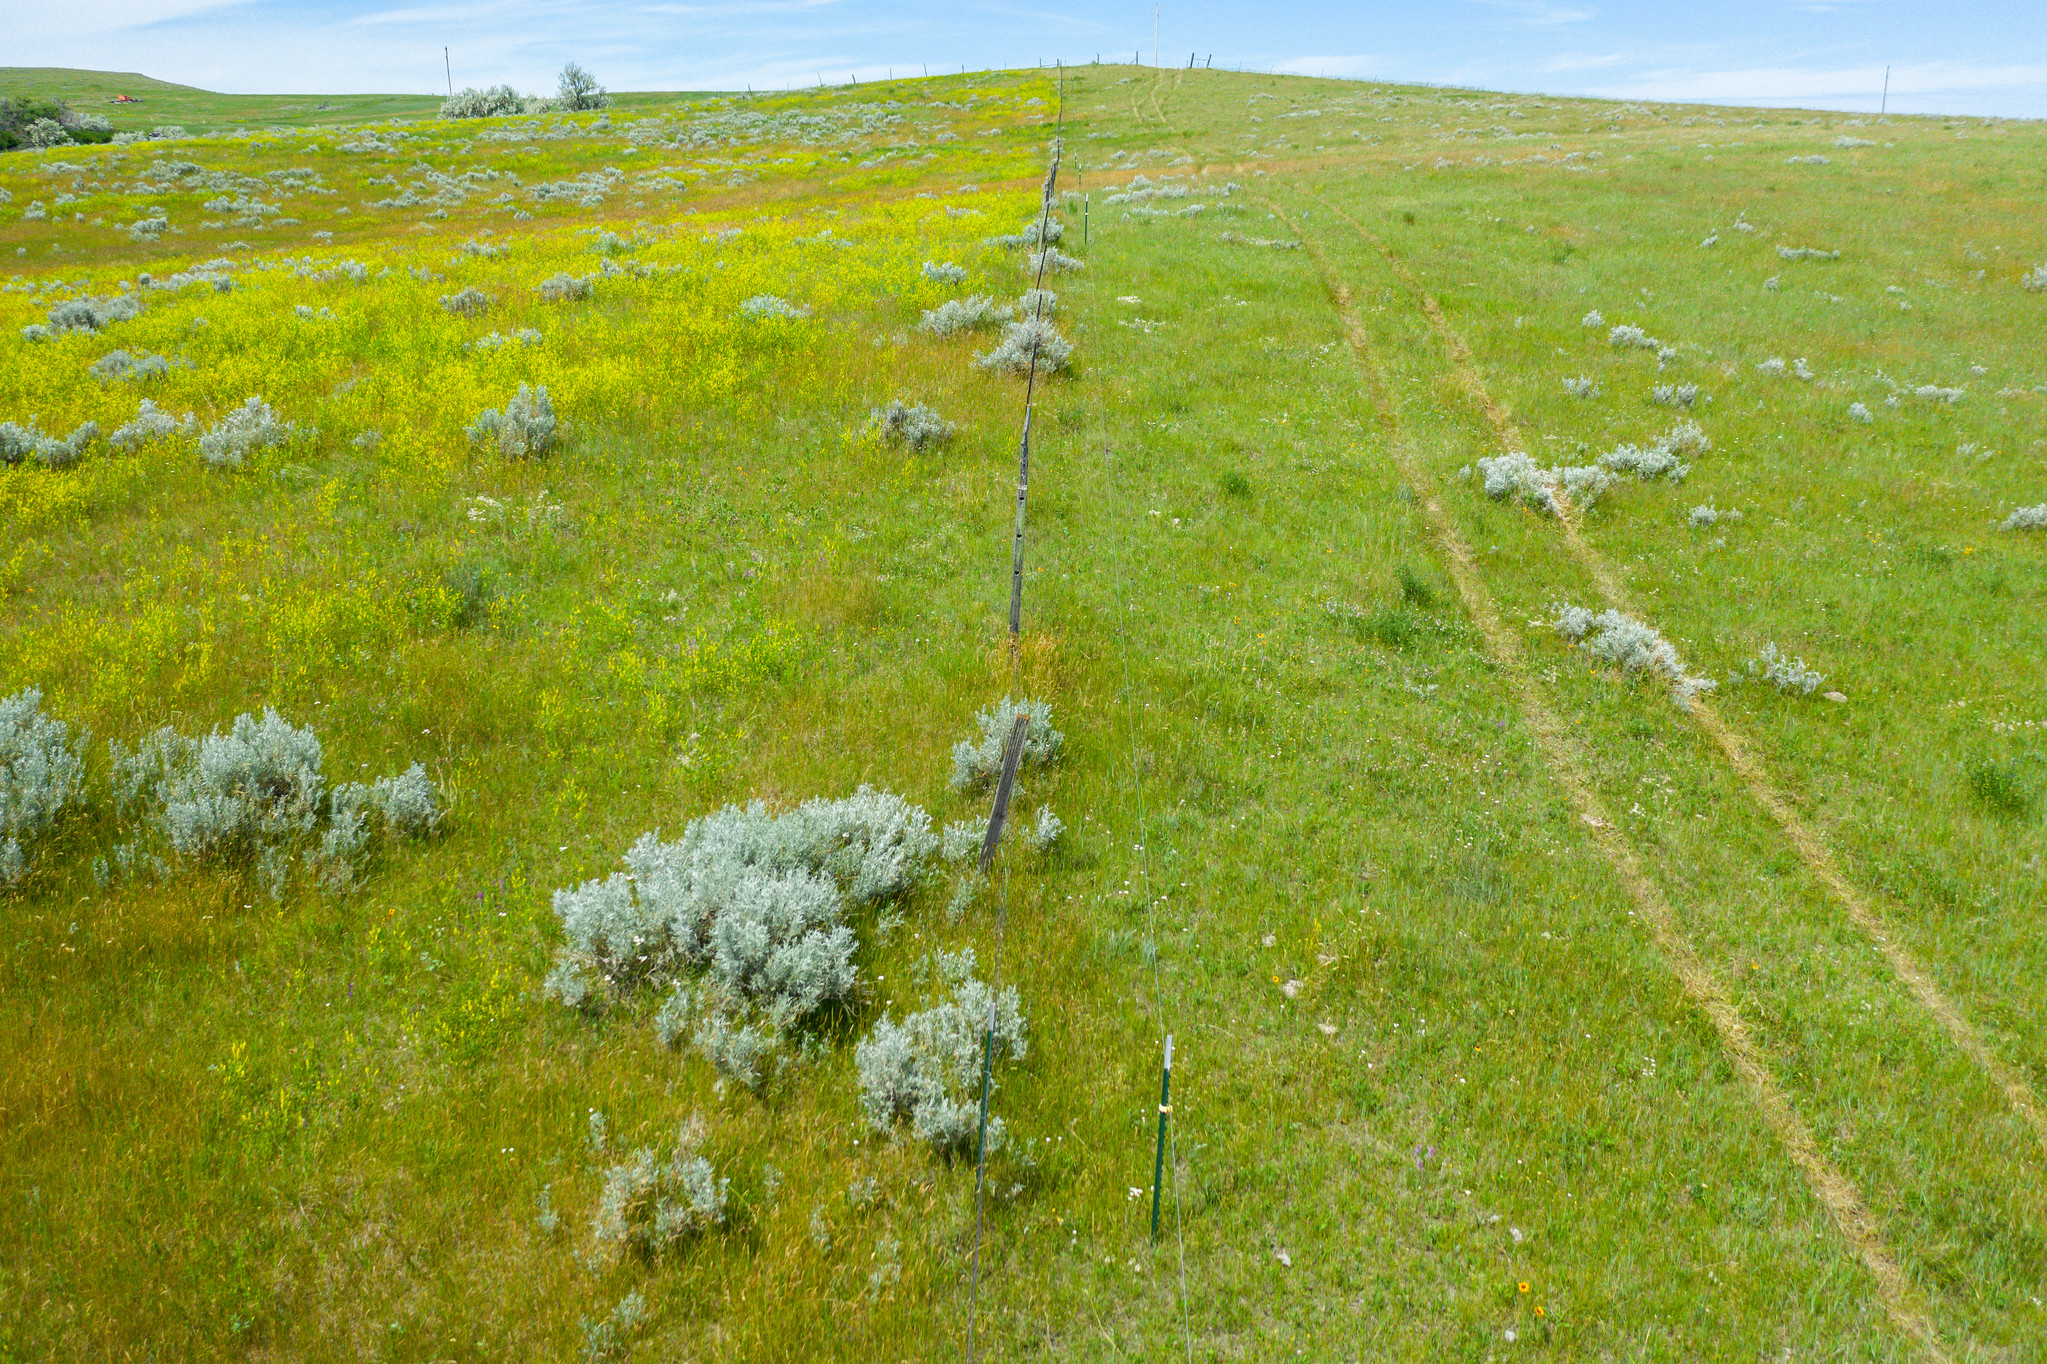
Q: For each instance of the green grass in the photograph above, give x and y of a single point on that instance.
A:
(1435, 1080)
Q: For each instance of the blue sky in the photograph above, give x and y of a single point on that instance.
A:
(1976, 58)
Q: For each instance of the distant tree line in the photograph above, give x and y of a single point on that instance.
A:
(578, 89)
(30, 122)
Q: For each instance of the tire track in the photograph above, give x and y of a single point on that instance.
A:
(1834, 1190)
(1749, 769)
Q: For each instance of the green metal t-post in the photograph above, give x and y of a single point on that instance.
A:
(1158, 1164)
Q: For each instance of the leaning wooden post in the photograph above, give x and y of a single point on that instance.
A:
(1158, 1164)
(1012, 756)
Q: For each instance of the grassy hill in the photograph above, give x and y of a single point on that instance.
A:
(1528, 993)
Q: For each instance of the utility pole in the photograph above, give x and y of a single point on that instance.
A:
(1155, 35)
(449, 70)
(1885, 107)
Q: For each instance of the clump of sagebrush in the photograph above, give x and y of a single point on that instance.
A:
(42, 778)
(119, 364)
(565, 287)
(1806, 252)
(927, 1070)
(752, 903)
(1936, 393)
(1037, 303)
(1781, 671)
(256, 793)
(963, 314)
(1675, 395)
(1592, 319)
(19, 444)
(151, 423)
(1707, 515)
(1860, 412)
(1773, 365)
(2035, 279)
(977, 763)
(1581, 386)
(1630, 337)
(524, 430)
(497, 101)
(1632, 646)
(468, 303)
(1052, 231)
(913, 425)
(1044, 832)
(1031, 343)
(945, 273)
(765, 307)
(608, 1340)
(649, 1204)
(253, 426)
(2027, 518)
(1052, 261)
(94, 314)
(1518, 476)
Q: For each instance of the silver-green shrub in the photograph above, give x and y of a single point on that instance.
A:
(1037, 303)
(524, 430)
(608, 1340)
(752, 902)
(94, 314)
(913, 425)
(1675, 395)
(45, 132)
(1052, 261)
(251, 427)
(496, 101)
(151, 423)
(20, 444)
(1706, 515)
(410, 803)
(1044, 833)
(470, 302)
(119, 364)
(1034, 338)
(1781, 671)
(946, 273)
(769, 307)
(1632, 646)
(926, 1070)
(649, 1205)
(42, 778)
(977, 763)
(1581, 387)
(1860, 412)
(565, 287)
(1628, 336)
(1516, 475)
(2027, 518)
(962, 839)
(963, 314)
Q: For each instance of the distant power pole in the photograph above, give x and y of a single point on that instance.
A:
(1155, 35)
(1885, 107)
(449, 71)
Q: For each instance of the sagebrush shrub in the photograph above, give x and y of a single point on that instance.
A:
(94, 314)
(962, 839)
(1629, 336)
(1632, 646)
(1655, 461)
(20, 444)
(977, 763)
(119, 364)
(1706, 515)
(1037, 303)
(1581, 387)
(769, 307)
(927, 1069)
(524, 430)
(565, 287)
(42, 778)
(649, 1204)
(2027, 518)
(151, 423)
(1052, 261)
(1518, 476)
(496, 101)
(1032, 340)
(409, 802)
(1783, 672)
(963, 314)
(1860, 412)
(470, 302)
(753, 902)
(2035, 279)
(913, 425)
(1044, 832)
(253, 426)
(1675, 395)
(946, 273)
